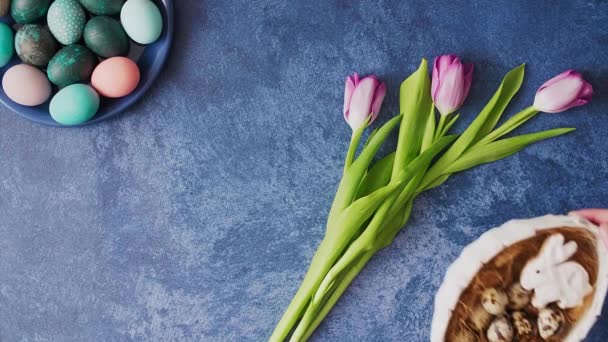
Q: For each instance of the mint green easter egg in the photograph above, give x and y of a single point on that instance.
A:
(142, 21)
(7, 47)
(74, 104)
(66, 19)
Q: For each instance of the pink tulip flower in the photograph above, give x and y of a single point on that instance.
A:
(451, 83)
(362, 99)
(563, 92)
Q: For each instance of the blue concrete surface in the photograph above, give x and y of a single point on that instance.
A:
(193, 216)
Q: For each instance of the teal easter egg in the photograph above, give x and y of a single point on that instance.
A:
(74, 104)
(29, 11)
(102, 7)
(142, 21)
(106, 37)
(72, 64)
(35, 44)
(66, 19)
(7, 45)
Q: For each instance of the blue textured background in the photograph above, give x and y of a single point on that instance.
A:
(194, 215)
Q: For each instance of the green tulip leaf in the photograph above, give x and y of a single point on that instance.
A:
(501, 149)
(415, 105)
(429, 130)
(378, 176)
(351, 218)
(509, 87)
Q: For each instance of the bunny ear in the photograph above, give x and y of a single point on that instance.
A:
(552, 247)
(569, 250)
(553, 243)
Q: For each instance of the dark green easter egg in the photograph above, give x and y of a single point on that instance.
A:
(72, 64)
(106, 37)
(5, 5)
(29, 11)
(35, 44)
(102, 7)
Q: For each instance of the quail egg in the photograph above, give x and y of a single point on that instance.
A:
(494, 301)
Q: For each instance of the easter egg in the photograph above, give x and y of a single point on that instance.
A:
(5, 6)
(106, 37)
(26, 85)
(142, 21)
(66, 19)
(35, 44)
(72, 64)
(74, 104)
(102, 7)
(29, 11)
(115, 77)
(7, 47)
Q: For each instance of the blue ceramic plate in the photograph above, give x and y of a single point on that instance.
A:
(150, 59)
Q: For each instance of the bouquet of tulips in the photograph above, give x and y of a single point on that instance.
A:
(374, 199)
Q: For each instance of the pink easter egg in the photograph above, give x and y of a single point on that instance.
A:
(26, 85)
(115, 77)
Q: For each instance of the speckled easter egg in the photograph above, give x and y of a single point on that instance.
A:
(29, 11)
(66, 19)
(26, 85)
(35, 44)
(72, 64)
(7, 45)
(106, 37)
(5, 6)
(102, 7)
(74, 104)
(142, 21)
(115, 77)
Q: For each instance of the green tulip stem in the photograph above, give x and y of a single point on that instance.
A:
(312, 319)
(354, 143)
(443, 119)
(511, 124)
(321, 261)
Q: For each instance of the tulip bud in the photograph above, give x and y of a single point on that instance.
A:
(563, 92)
(362, 99)
(451, 83)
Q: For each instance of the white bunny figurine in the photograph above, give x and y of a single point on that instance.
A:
(553, 278)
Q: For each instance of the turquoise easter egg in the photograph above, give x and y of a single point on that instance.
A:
(106, 37)
(7, 46)
(142, 21)
(74, 104)
(72, 64)
(66, 19)
(102, 7)
(29, 11)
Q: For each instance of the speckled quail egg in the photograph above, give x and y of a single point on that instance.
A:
(549, 322)
(500, 330)
(480, 318)
(494, 301)
(518, 296)
(464, 336)
(522, 324)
